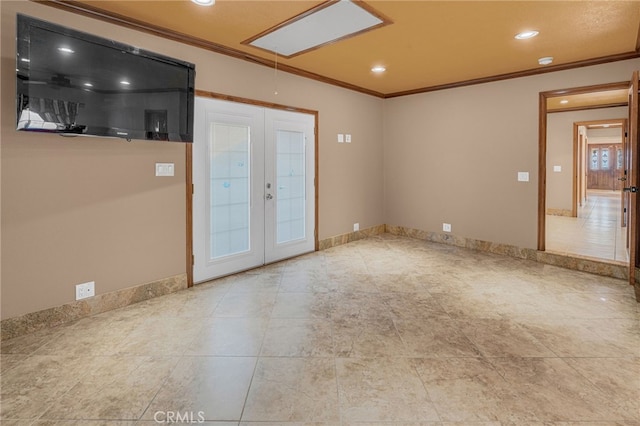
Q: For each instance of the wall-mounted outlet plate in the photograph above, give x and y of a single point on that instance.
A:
(446, 227)
(165, 169)
(85, 290)
(356, 227)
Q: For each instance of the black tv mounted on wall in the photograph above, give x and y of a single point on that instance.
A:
(73, 83)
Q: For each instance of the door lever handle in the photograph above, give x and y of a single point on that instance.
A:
(622, 179)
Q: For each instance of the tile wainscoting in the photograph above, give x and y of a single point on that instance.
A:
(31, 322)
(52, 317)
(559, 212)
(349, 237)
(607, 269)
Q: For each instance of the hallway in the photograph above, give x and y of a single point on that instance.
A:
(595, 233)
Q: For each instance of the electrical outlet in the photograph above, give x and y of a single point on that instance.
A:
(85, 290)
(356, 227)
(165, 169)
(446, 227)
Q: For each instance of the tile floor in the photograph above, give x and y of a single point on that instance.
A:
(383, 331)
(595, 233)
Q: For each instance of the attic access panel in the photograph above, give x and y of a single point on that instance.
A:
(327, 23)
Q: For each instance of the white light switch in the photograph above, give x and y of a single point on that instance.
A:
(557, 168)
(347, 138)
(340, 138)
(165, 169)
(523, 176)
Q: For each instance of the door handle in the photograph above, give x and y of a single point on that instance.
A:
(268, 196)
(622, 179)
(630, 189)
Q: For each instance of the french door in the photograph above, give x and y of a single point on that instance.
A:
(254, 189)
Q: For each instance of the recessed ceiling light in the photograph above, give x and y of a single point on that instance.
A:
(204, 2)
(564, 101)
(378, 69)
(25, 59)
(65, 50)
(526, 34)
(546, 60)
(88, 84)
(125, 82)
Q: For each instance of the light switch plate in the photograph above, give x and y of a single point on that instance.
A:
(340, 138)
(523, 176)
(557, 168)
(347, 138)
(165, 169)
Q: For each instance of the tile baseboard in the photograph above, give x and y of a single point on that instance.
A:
(52, 317)
(349, 237)
(560, 212)
(608, 269)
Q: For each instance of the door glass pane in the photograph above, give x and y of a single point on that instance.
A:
(594, 159)
(290, 185)
(229, 190)
(604, 155)
(619, 158)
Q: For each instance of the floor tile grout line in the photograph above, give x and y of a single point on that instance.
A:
(372, 269)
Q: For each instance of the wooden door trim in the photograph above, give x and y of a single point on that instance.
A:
(574, 195)
(189, 168)
(624, 219)
(542, 144)
(633, 180)
(189, 221)
(542, 170)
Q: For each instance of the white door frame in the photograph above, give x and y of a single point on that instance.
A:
(189, 172)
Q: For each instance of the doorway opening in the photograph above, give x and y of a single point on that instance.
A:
(571, 216)
(595, 224)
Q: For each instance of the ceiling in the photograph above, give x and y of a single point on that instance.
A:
(428, 45)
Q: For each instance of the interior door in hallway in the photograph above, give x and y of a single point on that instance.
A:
(254, 193)
(631, 161)
(605, 166)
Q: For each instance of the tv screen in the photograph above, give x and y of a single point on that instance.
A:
(74, 83)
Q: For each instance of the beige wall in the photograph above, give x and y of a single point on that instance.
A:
(560, 151)
(610, 135)
(453, 155)
(84, 209)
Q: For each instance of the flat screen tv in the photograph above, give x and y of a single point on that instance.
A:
(73, 83)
